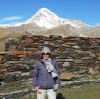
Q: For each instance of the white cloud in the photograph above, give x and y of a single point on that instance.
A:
(11, 18)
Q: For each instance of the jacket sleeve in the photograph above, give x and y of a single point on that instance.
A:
(35, 75)
(57, 80)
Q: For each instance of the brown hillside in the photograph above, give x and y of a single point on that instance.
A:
(64, 30)
(5, 34)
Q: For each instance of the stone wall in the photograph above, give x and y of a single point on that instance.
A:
(76, 55)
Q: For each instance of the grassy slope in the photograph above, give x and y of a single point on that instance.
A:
(89, 91)
(5, 34)
(85, 92)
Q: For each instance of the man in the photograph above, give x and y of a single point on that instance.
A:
(46, 76)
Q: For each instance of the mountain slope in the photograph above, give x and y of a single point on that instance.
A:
(93, 32)
(64, 30)
(5, 34)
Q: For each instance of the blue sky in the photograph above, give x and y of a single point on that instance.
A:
(15, 11)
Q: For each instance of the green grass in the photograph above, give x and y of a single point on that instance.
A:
(91, 91)
(88, 91)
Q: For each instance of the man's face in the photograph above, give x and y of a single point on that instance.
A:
(45, 55)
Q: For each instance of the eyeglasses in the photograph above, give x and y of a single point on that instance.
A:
(45, 53)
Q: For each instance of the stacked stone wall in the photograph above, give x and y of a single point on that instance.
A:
(76, 55)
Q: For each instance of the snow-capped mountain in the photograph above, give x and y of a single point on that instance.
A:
(45, 22)
(44, 18)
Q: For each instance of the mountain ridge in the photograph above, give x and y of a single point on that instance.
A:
(45, 22)
(45, 18)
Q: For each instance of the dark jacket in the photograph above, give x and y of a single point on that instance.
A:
(42, 78)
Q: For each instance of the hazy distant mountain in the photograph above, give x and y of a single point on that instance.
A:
(90, 31)
(45, 22)
(64, 30)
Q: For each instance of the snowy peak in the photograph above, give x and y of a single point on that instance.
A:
(45, 12)
(45, 18)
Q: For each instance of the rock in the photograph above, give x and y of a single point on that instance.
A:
(67, 76)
